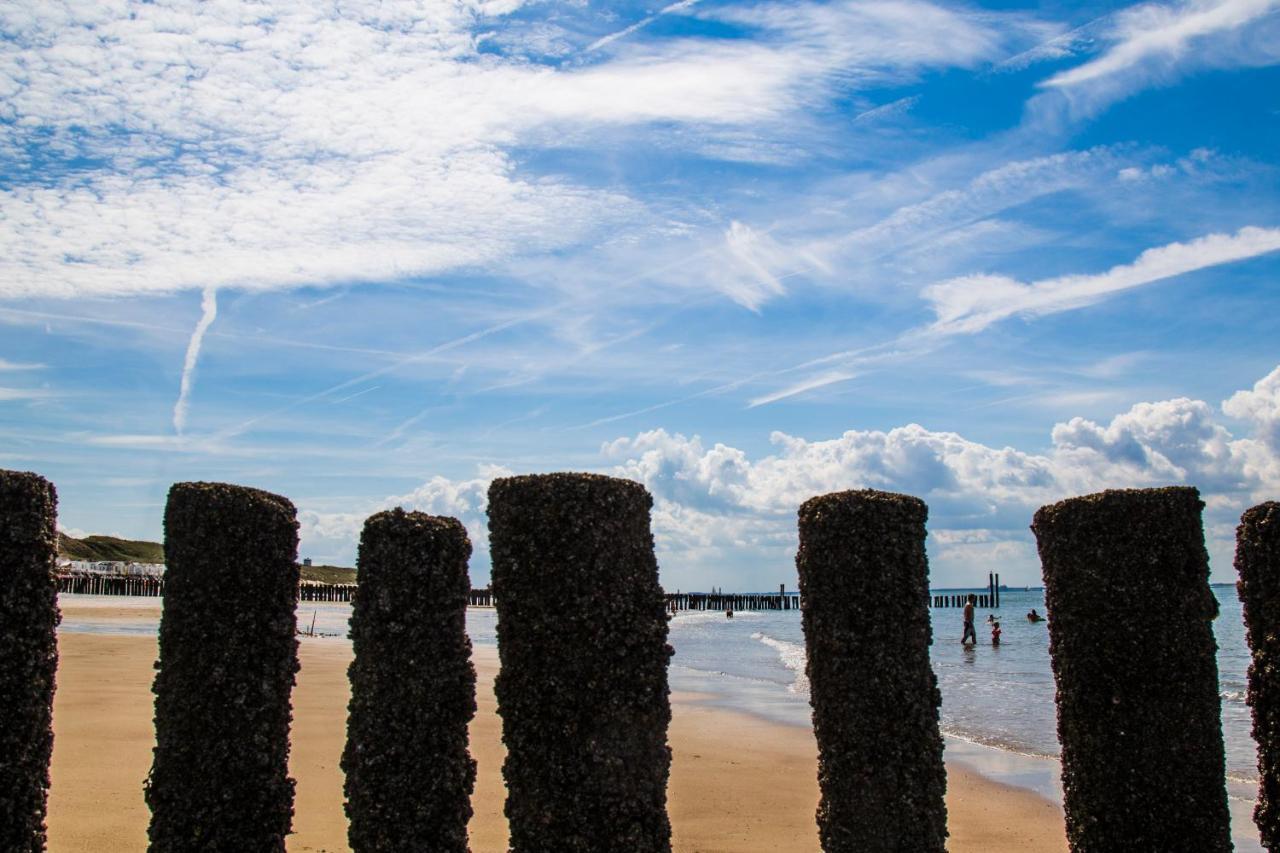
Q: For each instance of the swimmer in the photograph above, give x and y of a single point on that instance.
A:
(1033, 616)
(995, 633)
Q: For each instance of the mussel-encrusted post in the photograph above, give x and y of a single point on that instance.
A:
(1258, 564)
(1127, 592)
(228, 660)
(582, 688)
(28, 655)
(864, 585)
(409, 774)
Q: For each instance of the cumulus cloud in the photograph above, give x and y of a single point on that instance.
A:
(722, 516)
(1260, 407)
(337, 533)
(981, 498)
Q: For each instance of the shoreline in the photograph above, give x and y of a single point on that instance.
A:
(1022, 773)
(739, 782)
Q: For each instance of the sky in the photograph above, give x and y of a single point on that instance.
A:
(376, 254)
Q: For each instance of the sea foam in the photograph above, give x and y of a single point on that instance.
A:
(792, 657)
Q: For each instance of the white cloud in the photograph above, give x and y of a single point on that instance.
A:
(669, 9)
(235, 146)
(938, 206)
(971, 303)
(1260, 407)
(6, 365)
(208, 313)
(821, 380)
(719, 511)
(1156, 32)
(981, 498)
(7, 394)
(1153, 44)
(466, 500)
(755, 260)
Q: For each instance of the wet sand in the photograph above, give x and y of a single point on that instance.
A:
(738, 783)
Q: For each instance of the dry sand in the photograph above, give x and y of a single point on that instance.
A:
(737, 783)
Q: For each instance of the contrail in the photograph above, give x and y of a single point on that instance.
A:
(612, 37)
(382, 371)
(209, 307)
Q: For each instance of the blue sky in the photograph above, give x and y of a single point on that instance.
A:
(744, 252)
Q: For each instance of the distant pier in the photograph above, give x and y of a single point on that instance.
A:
(677, 602)
(94, 584)
(745, 601)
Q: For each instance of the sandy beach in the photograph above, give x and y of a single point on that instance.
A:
(738, 783)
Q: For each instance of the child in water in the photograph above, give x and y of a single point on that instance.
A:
(995, 633)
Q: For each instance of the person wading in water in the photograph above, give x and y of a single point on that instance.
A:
(969, 633)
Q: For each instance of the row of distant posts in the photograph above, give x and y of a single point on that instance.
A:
(99, 584)
(86, 583)
(584, 701)
(990, 599)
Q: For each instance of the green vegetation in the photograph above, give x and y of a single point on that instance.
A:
(109, 548)
(328, 574)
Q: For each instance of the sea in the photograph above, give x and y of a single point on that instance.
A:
(997, 714)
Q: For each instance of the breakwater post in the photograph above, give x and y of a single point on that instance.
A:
(96, 584)
(1127, 592)
(228, 660)
(409, 775)
(582, 689)
(1258, 564)
(28, 655)
(864, 602)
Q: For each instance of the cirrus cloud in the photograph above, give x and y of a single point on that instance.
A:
(154, 148)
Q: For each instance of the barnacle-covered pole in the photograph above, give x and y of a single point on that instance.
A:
(1127, 591)
(582, 688)
(1258, 564)
(409, 774)
(228, 660)
(864, 596)
(28, 655)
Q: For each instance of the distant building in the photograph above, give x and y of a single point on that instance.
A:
(306, 561)
(88, 567)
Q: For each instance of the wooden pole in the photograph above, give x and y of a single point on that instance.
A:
(1138, 707)
(228, 658)
(28, 655)
(409, 775)
(863, 579)
(582, 688)
(1258, 565)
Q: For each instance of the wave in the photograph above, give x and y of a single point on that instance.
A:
(685, 617)
(792, 656)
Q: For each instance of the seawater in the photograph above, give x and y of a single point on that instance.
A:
(998, 710)
(1000, 696)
